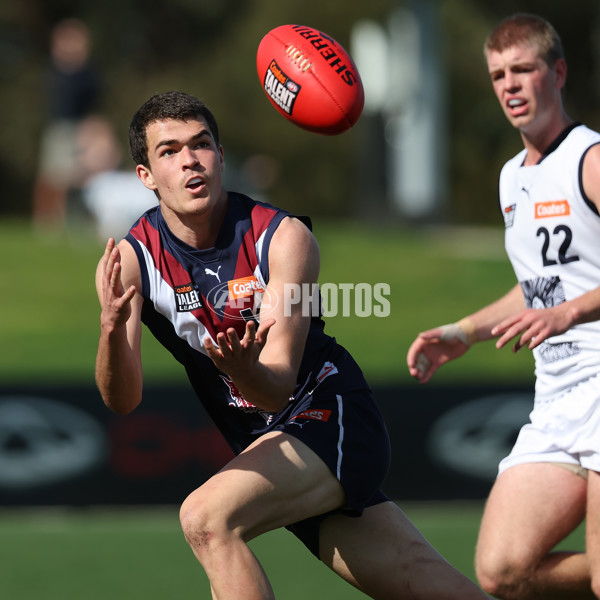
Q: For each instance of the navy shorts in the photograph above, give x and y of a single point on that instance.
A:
(336, 416)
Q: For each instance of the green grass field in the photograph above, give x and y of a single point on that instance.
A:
(140, 554)
(49, 333)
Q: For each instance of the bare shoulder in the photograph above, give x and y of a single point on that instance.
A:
(294, 249)
(130, 267)
(293, 235)
(590, 175)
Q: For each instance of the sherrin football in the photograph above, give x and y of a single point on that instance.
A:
(310, 79)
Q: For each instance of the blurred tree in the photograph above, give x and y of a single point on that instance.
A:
(480, 138)
(203, 47)
(207, 48)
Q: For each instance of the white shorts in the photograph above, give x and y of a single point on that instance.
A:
(565, 429)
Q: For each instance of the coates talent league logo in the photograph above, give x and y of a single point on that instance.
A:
(280, 88)
(187, 297)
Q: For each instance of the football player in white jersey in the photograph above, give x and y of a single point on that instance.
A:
(550, 201)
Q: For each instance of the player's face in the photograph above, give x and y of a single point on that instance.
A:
(186, 166)
(529, 91)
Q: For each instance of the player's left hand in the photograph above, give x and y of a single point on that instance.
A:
(232, 355)
(532, 326)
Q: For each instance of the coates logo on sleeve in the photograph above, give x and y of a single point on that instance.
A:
(280, 88)
(554, 208)
(244, 287)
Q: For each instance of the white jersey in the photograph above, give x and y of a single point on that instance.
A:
(553, 242)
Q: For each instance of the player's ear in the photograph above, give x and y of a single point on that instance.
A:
(560, 68)
(145, 176)
(222, 157)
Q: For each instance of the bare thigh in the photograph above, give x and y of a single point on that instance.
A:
(276, 481)
(593, 528)
(530, 509)
(383, 554)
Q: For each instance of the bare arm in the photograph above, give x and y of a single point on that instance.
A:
(533, 326)
(435, 347)
(118, 360)
(487, 318)
(264, 364)
(590, 175)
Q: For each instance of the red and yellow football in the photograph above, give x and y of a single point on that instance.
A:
(310, 79)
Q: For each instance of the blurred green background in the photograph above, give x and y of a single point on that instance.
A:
(208, 48)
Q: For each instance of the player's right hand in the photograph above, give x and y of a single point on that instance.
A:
(114, 299)
(434, 348)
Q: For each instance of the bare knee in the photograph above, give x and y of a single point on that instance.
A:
(196, 531)
(203, 526)
(501, 585)
(500, 576)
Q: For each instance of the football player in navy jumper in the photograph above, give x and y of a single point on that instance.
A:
(209, 273)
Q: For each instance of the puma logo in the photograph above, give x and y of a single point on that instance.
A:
(208, 271)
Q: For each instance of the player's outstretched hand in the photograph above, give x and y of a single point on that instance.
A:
(115, 300)
(434, 348)
(232, 355)
(532, 326)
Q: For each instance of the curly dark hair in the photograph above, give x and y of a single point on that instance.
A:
(168, 105)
